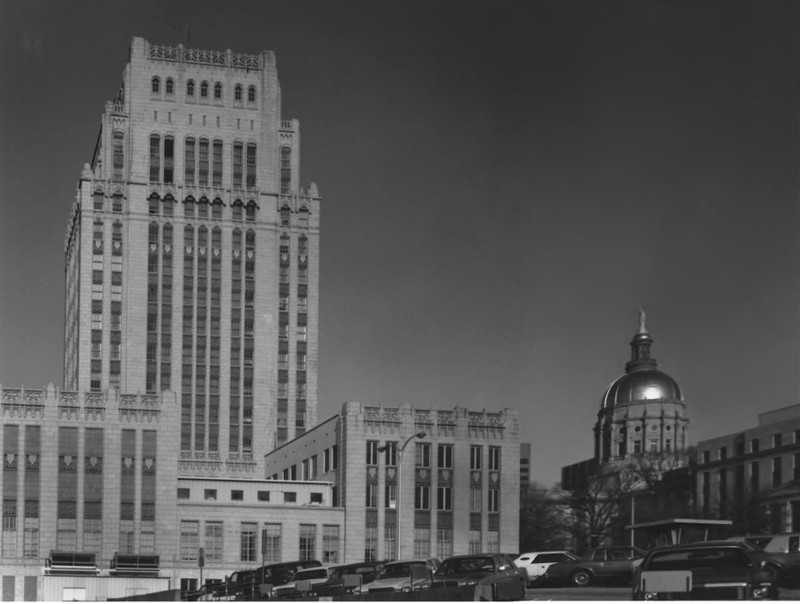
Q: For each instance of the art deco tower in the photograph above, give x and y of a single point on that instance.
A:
(192, 255)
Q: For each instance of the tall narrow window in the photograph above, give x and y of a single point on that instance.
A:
(251, 94)
(217, 163)
(169, 159)
(119, 156)
(204, 90)
(308, 541)
(251, 166)
(237, 93)
(217, 91)
(238, 160)
(248, 541)
(170, 86)
(155, 85)
(155, 157)
(286, 170)
(188, 162)
(203, 169)
(190, 88)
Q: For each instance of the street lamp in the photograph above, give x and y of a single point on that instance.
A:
(400, 450)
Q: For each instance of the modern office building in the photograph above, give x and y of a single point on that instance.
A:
(757, 467)
(414, 482)
(192, 254)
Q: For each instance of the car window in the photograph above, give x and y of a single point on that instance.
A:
(599, 555)
(544, 558)
(524, 558)
(618, 554)
(794, 544)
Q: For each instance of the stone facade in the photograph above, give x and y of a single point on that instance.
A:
(192, 255)
(761, 464)
(416, 482)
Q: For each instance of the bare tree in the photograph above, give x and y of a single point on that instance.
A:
(543, 520)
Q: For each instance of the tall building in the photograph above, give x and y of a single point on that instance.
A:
(192, 251)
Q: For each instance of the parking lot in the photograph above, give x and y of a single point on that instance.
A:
(608, 593)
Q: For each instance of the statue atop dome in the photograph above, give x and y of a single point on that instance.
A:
(642, 318)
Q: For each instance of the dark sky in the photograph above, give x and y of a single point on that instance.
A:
(503, 184)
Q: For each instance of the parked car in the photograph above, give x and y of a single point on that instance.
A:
(536, 563)
(496, 571)
(338, 585)
(706, 570)
(302, 582)
(402, 576)
(780, 553)
(610, 564)
(247, 583)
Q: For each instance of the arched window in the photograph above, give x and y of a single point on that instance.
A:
(251, 166)
(188, 162)
(169, 159)
(285, 215)
(155, 157)
(202, 237)
(236, 239)
(250, 239)
(250, 212)
(251, 94)
(237, 92)
(155, 85)
(152, 238)
(203, 162)
(286, 170)
(190, 88)
(217, 90)
(167, 234)
(119, 156)
(169, 86)
(302, 246)
(238, 164)
(204, 90)
(216, 238)
(216, 163)
(116, 239)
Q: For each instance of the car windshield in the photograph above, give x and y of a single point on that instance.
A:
(464, 565)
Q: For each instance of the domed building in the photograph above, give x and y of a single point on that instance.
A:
(642, 411)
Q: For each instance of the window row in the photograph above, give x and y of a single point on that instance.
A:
(203, 162)
(204, 89)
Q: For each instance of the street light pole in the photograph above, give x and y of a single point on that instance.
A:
(400, 451)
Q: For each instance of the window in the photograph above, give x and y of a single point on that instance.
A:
(189, 540)
(390, 496)
(390, 542)
(289, 496)
(248, 542)
(169, 159)
(203, 167)
(494, 458)
(422, 542)
(777, 475)
(217, 163)
(308, 541)
(777, 440)
(444, 543)
(445, 456)
(237, 495)
(286, 170)
(190, 88)
(238, 159)
(475, 456)
(263, 495)
(217, 91)
(189, 161)
(213, 541)
(444, 499)
(204, 90)
(372, 452)
(210, 494)
(272, 542)
(475, 500)
(155, 85)
(475, 542)
(391, 453)
(251, 166)
(422, 497)
(754, 445)
(170, 86)
(370, 543)
(423, 455)
(723, 453)
(494, 500)
(155, 157)
(237, 92)
(330, 544)
(372, 496)
(251, 94)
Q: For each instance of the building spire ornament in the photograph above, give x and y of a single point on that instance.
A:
(642, 319)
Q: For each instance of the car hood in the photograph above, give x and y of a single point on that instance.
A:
(395, 582)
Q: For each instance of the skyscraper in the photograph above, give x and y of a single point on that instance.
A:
(192, 252)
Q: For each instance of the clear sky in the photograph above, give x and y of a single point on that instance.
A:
(503, 184)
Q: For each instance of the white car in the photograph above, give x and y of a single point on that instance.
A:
(536, 563)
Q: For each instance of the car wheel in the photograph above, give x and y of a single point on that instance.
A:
(581, 578)
(772, 572)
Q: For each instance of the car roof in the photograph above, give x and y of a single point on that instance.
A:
(551, 551)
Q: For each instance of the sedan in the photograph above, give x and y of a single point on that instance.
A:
(494, 574)
(600, 564)
(536, 563)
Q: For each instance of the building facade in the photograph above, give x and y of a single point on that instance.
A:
(415, 482)
(192, 254)
(754, 472)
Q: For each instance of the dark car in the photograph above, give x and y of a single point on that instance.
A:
(608, 564)
(496, 573)
(710, 570)
(246, 584)
(343, 579)
(780, 553)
